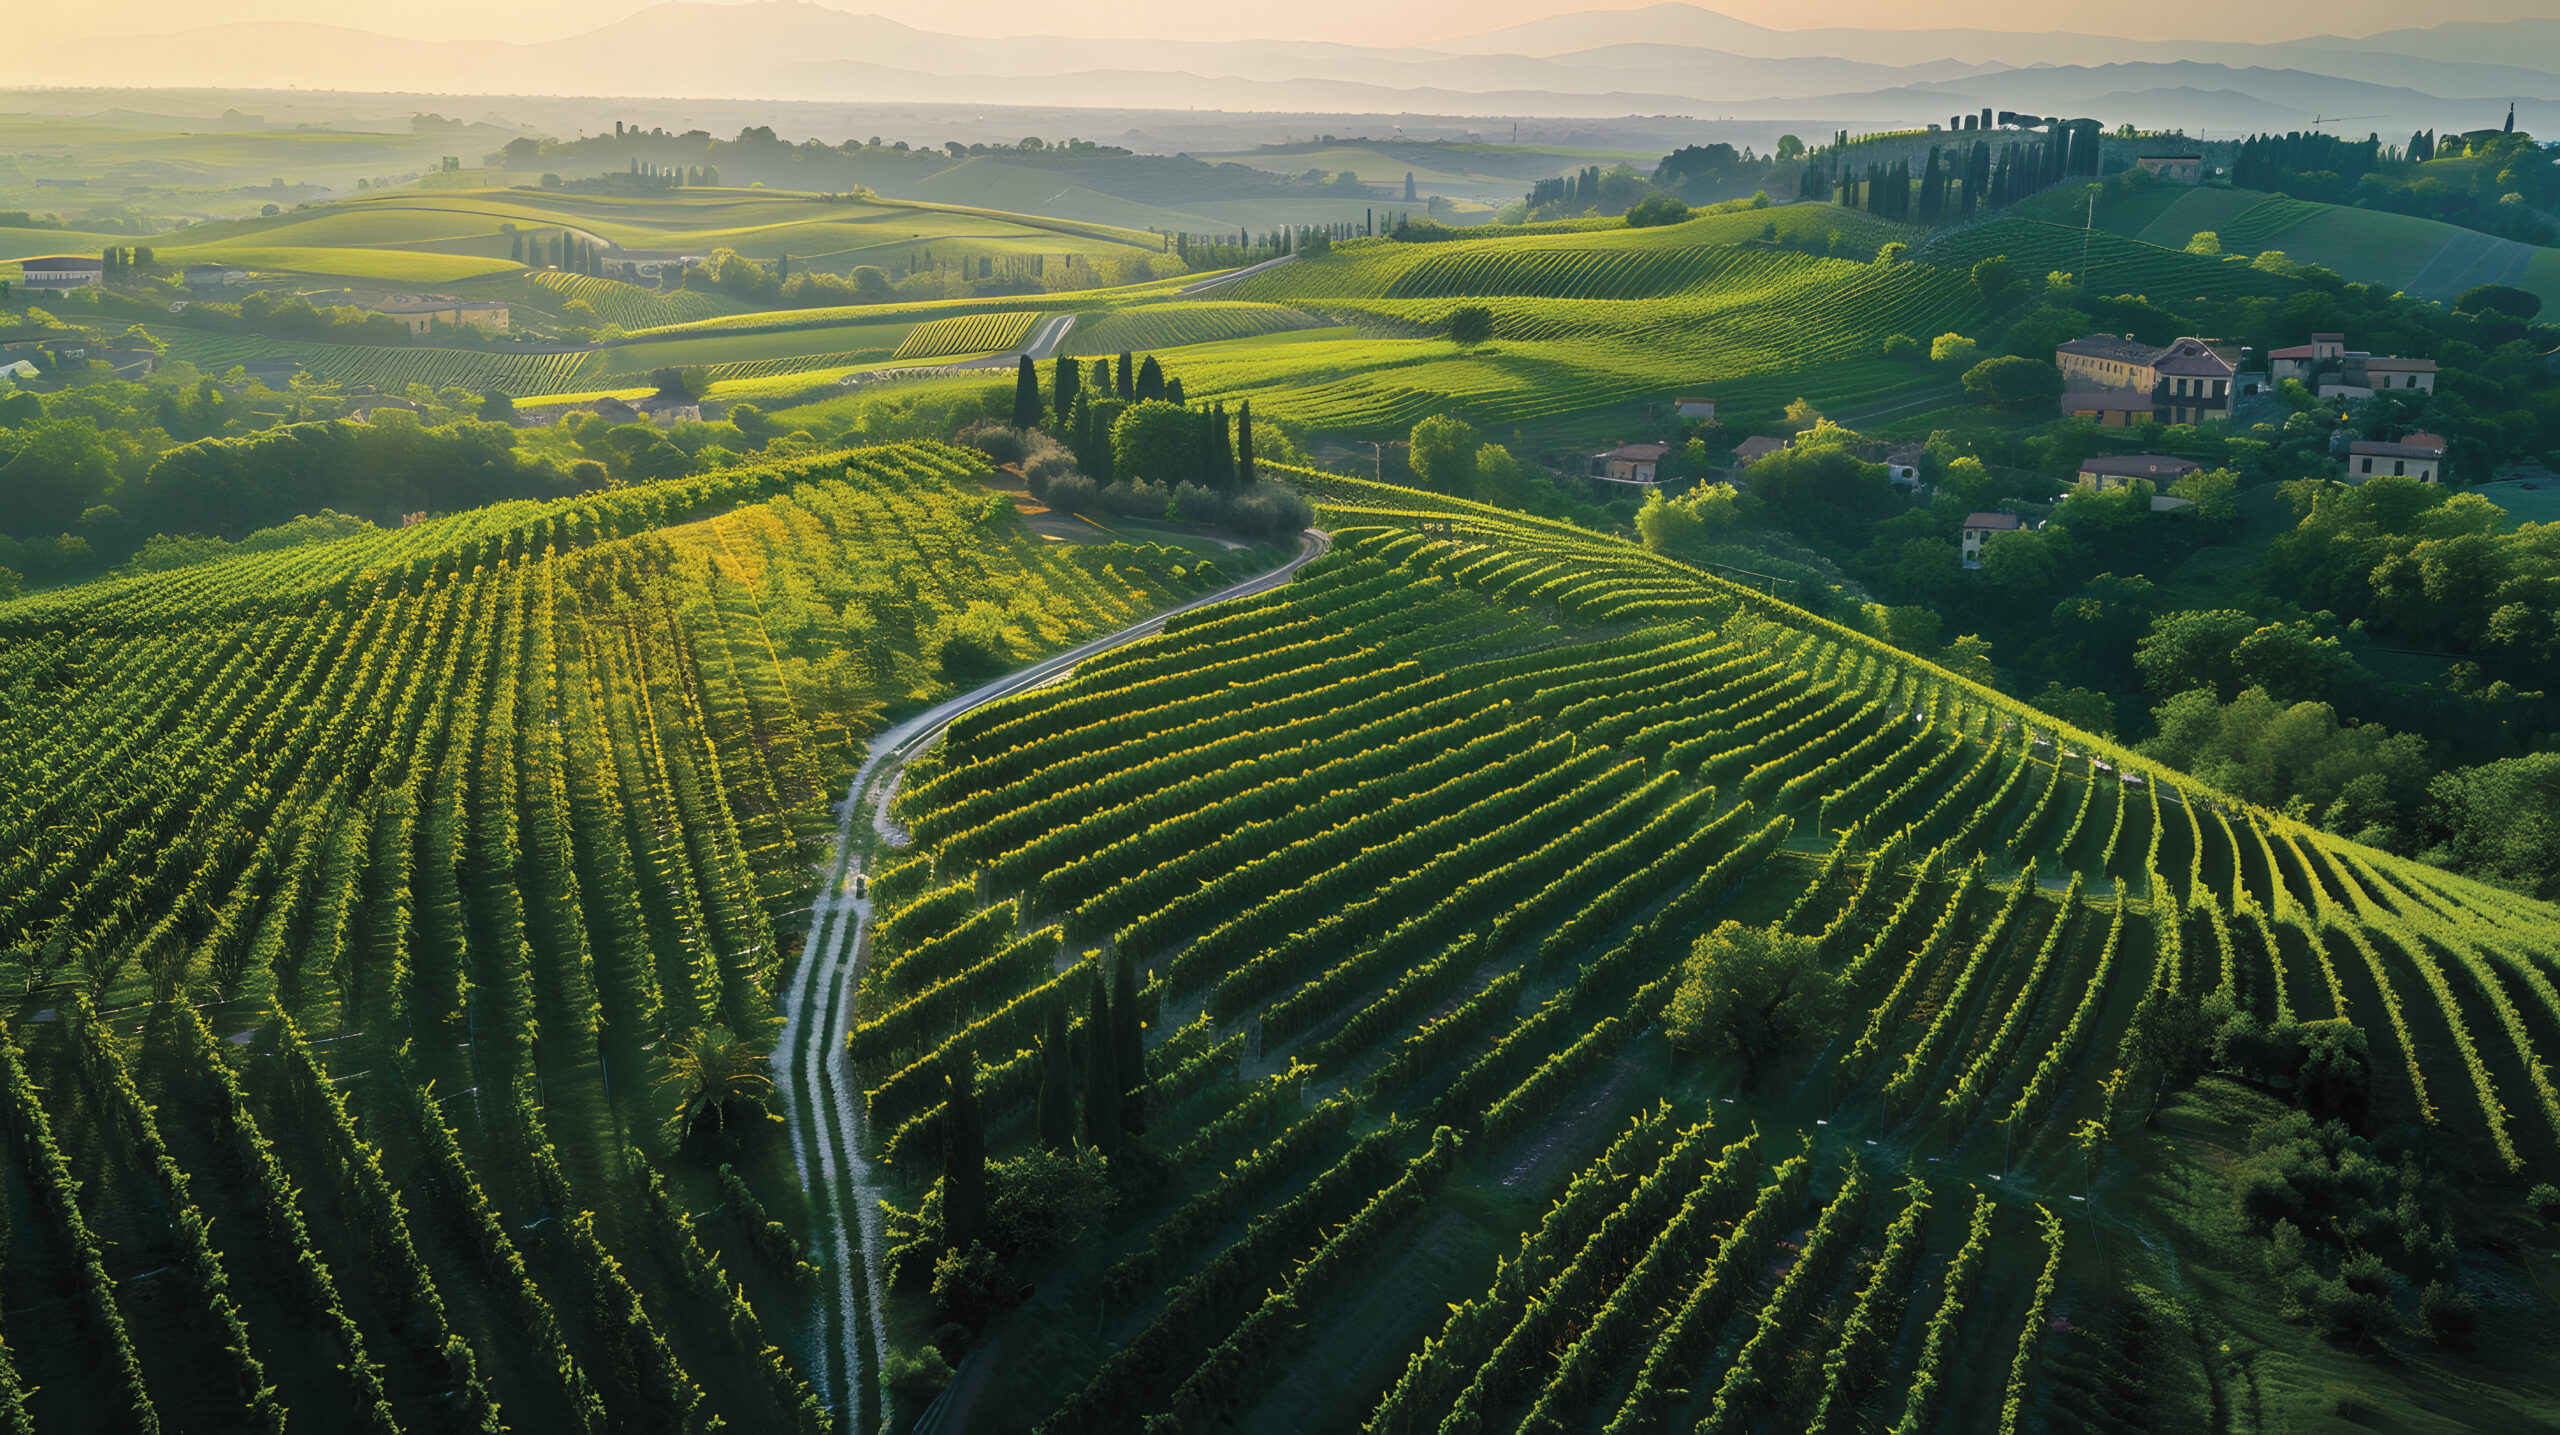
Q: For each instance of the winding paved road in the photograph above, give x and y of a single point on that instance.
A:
(821, 1101)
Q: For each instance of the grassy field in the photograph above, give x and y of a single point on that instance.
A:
(392, 266)
(2538, 504)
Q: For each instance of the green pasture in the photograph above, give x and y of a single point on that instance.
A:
(2538, 504)
(17, 244)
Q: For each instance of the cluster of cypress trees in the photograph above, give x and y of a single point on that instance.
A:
(563, 251)
(1111, 1060)
(121, 260)
(1958, 182)
(2268, 161)
(1578, 190)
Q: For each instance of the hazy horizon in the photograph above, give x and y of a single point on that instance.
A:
(1419, 23)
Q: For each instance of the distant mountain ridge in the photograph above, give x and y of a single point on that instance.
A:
(1662, 59)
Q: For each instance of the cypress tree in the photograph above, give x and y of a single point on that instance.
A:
(515, 247)
(1933, 190)
(1222, 454)
(1026, 394)
(1150, 378)
(1128, 381)
(1057, 1084)
(1244, 443)
(964, 1158)
(1129, 1063)
(1069, 380)
(1173, 392)
(782, 270)
(1101, 1075)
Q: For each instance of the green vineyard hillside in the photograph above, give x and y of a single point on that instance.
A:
(382, 893)
(1400, 865)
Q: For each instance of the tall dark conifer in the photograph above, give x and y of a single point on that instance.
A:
(1222, 452)
(1128, 376)
(1102, 1117)
(1068, 383)
(964, 1158)
(1057, 1084)
(1150, 379)
(1129, 1063)
(1244, 442)
(1026, 394)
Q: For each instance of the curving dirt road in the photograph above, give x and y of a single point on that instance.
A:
(821, 1103)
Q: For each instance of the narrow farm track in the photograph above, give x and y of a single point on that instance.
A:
(820, 1102)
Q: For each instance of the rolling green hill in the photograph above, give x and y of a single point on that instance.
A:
(1352, 927)
(1420, 844)
(2424, 257)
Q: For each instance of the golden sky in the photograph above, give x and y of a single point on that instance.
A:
(1365, 22)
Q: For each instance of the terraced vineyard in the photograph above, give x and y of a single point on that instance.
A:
(973, 334)
(1175, 323)
(2110, 263)
(1400, 865)
(391, 370)
(1613, 316)
(632, 306)
(373, 890)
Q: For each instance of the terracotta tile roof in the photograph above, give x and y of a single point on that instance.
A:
(1996, 521)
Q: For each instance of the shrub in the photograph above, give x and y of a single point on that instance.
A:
(1002, 442)
(918, 1376)
(1902, 348)
(2451, 1317)
(971, 1287)
(1656, 209)
(1952, 349)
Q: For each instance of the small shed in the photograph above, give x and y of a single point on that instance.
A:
(1634, 463)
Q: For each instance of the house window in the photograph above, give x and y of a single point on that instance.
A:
(2368, 465)
(2221, 388)
(2399, 468)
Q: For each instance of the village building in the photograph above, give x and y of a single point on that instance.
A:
(2188, 382)
(2415, 455)
(2333, 371)
(1978, 528)
(2117, 470)
(1634, 463)
(1695, 408)
(63, 271)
